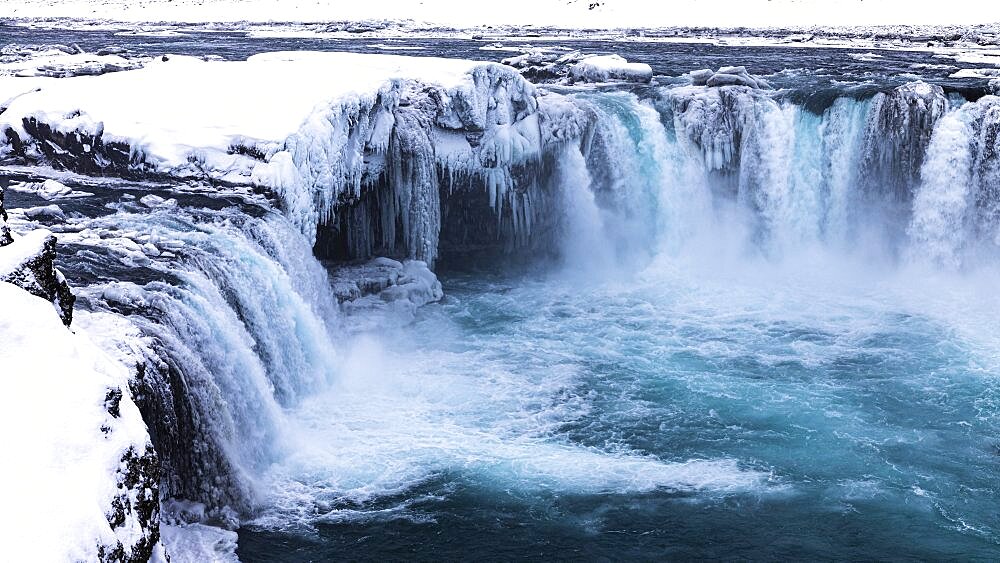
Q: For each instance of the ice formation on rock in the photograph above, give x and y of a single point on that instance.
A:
(899, 129)
(363, 162)
(29, 263)
(557, 66)
(727, 76)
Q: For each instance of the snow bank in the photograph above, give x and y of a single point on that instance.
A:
(80, 479)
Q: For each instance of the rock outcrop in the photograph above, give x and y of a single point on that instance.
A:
(29, 263)
(5, 236)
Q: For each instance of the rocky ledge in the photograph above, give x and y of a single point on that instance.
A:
(29, 263)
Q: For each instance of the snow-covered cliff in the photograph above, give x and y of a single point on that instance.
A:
(81, 478)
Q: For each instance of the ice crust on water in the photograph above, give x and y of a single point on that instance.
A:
(49, 189)
(58, 64)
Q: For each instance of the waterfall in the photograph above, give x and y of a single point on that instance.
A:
(955, 211)
(239, 322)
(938, 228)
(585, 247)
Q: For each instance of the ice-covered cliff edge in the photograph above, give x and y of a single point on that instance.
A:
(373, 135)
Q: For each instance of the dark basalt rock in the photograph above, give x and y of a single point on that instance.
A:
(138, 480)
(5, 236)
(78, 151)
(38, 275)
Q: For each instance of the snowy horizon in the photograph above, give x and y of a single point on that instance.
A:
(563, 13)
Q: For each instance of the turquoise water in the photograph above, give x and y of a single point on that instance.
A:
(746, 410)
(759, 378)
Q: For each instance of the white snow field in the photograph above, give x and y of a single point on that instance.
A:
(565, 13)
(63, 448)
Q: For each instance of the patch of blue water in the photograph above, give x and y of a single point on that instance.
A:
(669, 418)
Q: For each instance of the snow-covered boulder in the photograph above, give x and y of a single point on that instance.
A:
(610, 68)
(543, 65)
(560, 67)
(80, 479)
(384, 290)
(29, 263)
(993, 87)
(726, 76)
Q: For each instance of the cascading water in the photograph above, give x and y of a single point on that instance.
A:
(775, 345)
(238, 318)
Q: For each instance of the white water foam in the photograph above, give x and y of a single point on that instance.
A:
(401, 418)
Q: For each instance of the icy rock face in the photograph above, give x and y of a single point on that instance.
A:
(986, 168)
(727, 76)
(377, 185)
(714, 122)
(29, 263)
(899, 129)
(994, 87)
(136, 508)
(557, 67)
(74, 142)
(361, 173)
